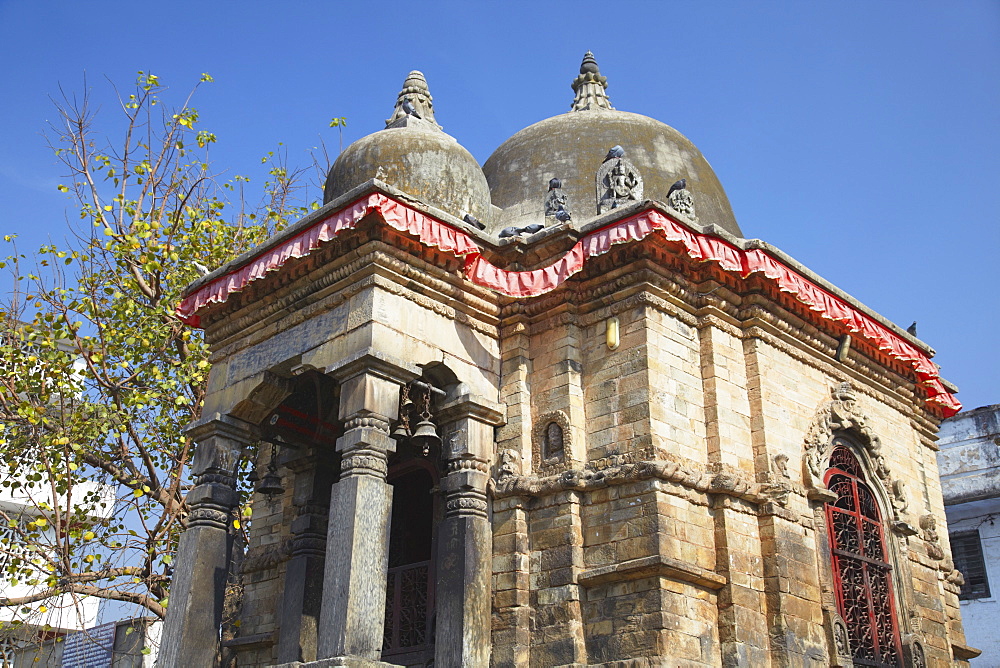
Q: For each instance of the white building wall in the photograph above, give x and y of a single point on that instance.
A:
(970, 478)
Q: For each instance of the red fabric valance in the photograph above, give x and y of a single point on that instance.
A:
(478, 270)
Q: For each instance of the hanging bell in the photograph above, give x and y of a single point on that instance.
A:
(425, 436)
(270, 485)
(401, 432)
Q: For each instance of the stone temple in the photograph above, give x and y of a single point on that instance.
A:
(556, 411)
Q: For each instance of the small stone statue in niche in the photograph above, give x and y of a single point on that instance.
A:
(618, 183)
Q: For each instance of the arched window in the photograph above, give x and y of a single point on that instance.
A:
(861, 569)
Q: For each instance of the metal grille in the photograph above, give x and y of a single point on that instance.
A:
(967, 551)
(860, 565)
(406, 609)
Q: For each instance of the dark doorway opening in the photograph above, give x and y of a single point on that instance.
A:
(409, 605)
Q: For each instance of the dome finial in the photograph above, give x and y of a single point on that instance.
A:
(590, 87)
(414, 101)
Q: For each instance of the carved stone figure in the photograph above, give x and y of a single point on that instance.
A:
(933, 542)
(681, 201)
(555, 201)
(899, 502)
(553, 440)
(781, 465)
(840, 637)
(618, 183)
(510, 465)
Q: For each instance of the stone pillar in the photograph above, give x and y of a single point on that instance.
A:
(465, 538)
(357, 550)
(191, 629)
(303, 591)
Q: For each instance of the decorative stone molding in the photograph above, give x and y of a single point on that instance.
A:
(719, 480)
(455, 465)
(216, 516)
(412, 272)
(364, 462)
(262, 557)
(842, 414)
(466, 503)
(656, 565)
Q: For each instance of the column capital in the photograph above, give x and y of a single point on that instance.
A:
(225, 426)
(376, 363)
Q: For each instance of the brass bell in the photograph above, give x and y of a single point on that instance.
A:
(425, 436)
(270, 485)
(401, 432)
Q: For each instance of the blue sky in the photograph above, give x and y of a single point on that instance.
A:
(862, 138)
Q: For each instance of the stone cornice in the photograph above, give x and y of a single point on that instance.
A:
(327, 287)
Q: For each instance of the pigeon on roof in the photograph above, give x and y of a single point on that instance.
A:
(409, 108)
(616, 152)
(472, 220)
(679, 185)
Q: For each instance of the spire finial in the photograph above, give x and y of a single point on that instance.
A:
(590, 87)
(414, 101)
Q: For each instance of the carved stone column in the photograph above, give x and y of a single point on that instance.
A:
(465, 538)
(302, 597)
(353, 611)
(191, 630)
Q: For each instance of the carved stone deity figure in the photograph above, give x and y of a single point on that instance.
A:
(618, 183)
(555, 201)
(681, 201)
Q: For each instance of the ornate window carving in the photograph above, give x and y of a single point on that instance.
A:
(861, 569)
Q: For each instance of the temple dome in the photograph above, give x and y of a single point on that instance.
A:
(413, 154)
(572, 147)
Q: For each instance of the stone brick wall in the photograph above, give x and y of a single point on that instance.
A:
(684, 532)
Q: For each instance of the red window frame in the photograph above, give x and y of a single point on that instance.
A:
(861, 570)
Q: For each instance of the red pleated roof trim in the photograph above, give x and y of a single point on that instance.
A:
(399, 216)
(701, 247)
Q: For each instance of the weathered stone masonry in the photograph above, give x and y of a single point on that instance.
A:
(496, 448)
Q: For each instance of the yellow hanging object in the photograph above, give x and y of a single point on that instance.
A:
(613, 333)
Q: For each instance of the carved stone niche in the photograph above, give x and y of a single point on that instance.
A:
(913, 651)
(551, 442)
(838, 640)
(618, 183)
